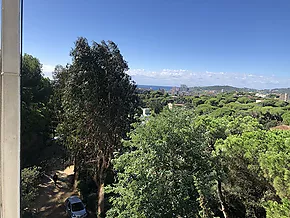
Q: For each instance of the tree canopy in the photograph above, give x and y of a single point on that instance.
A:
(164, 171)
(99, 101)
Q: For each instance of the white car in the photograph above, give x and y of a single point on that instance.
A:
(75, 208)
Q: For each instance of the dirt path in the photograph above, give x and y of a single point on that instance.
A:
(50, 202)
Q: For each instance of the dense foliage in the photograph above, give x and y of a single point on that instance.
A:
(229, 165)
(270, 111)
(97, 102)
(36, 128)
(257, 171)
(164, 169)
(30, 178)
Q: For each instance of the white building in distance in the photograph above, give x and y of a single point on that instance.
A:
(146, 112)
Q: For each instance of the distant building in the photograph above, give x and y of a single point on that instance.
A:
(172, 105)
(162, 91)
(284, 97)
(260, 95)
(183, 88)
(174, 91)
(146, 112)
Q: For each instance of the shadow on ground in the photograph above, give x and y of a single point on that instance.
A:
(50, 202)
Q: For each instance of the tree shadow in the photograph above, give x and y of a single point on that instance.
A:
(50, 202)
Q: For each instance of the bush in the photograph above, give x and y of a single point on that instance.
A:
(275, 209)
(286, 118)
(30, 178)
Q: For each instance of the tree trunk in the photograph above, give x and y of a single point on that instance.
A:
(101, 193)
(203, 204)
(101, 187)
(75, 182)
(101, 200)
(222, 200)
(76, 175)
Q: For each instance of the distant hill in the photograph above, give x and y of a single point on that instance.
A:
(280, 90)
(218, 89)
(198, 88)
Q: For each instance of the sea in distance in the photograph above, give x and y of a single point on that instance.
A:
(166, 88)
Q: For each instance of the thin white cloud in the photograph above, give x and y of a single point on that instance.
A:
(176, 77)
(47, 70)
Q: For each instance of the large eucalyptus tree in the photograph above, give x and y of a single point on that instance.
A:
(99, 101)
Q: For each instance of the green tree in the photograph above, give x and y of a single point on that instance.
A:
(230, 98)
(156, 105)
(217, 129)
(99, 102)
(212, 102)
(204, 109)
(60, 77)
(269, 102)
(245, 100)
(256, 167)
(286, 118)
(197, 101)
(164, 171)
(36, 125)
(30, 178)
(224, 111)
(281, 103)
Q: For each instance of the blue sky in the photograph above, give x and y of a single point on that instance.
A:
(171, 42)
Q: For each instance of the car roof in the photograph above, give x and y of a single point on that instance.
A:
(74, 199)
